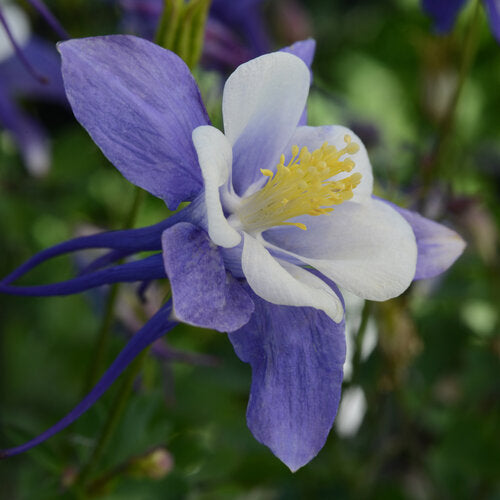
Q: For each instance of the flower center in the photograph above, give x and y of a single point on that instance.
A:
(302, 187)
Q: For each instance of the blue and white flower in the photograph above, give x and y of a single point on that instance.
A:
(280, 214)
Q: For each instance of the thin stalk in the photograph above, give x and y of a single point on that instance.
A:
(446, 127)
(113, 419)
(360, 335)
(102, 340)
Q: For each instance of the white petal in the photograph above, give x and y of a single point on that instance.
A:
(37, 157)
(351, 412)
(286, 284)
(215, 157)
(366, 248)
(314, 137)
(262, 103)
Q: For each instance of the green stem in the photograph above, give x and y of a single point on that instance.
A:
(439, 150)
(102, 340)
(134, 209)
(113, 419)
(360, 335)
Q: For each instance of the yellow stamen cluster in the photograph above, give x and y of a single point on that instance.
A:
(301, 187)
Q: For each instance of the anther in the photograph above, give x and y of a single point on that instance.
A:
(301, 187)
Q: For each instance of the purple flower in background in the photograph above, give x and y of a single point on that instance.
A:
(141, 16)
(280, 214)
(234, 32)
(244, 18)
(29, 68)
(444, 14)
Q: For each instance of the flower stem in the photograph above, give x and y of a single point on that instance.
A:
(439, 150)
(102, 339)
(360, 335)
(113, 419)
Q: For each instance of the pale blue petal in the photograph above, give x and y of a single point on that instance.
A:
(140, 104)
(297, 355)
(204, 293)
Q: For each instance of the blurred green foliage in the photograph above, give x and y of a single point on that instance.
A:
(432, 428)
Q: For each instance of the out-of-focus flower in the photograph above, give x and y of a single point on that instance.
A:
(295, 24)
(351, 412)
(281, 213)
(35, 73)
(156, 464)
(234, 32)
(444, 13)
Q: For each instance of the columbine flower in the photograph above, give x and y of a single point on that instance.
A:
(444, 13)
(280, 214)
(33, 72)
(234, 31)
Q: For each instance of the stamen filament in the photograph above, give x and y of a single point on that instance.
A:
(304, 186)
